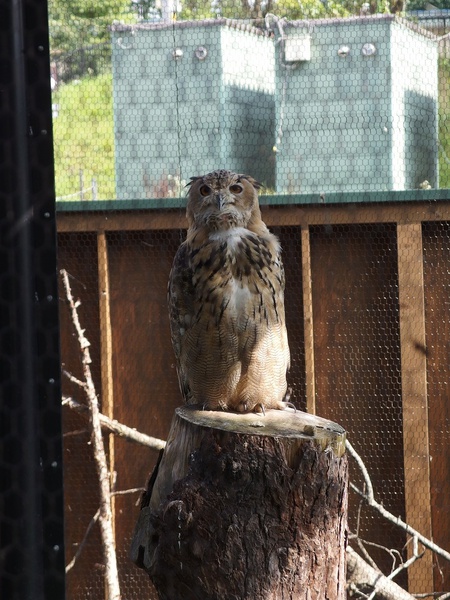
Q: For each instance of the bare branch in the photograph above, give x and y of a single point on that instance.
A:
(368, 482)
(116, 427)
(81, 545)
(369, 497)
(405, 565)
(105, 517)
(130, 491)
(359, 572)
(392, 552)
(74, 379)
(399, 569)
(431, 595)
(75, 432)
(92, 522)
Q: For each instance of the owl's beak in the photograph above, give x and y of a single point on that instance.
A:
(220, 201)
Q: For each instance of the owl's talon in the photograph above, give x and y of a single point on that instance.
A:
(261, 408)
(287, 395)
(289, 405)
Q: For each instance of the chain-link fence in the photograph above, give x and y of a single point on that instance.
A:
(343, 119)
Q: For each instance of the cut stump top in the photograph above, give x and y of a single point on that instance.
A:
(274, 423)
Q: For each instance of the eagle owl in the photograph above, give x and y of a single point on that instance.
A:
(226, 300)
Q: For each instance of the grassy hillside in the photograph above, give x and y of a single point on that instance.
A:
(84, 137)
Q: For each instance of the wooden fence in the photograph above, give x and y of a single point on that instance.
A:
(368, 313)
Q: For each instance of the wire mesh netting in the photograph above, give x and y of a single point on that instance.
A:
(341, 113)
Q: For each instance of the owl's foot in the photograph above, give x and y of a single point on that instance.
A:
(244, 407)
(287, 395)
(285, 404)
(259, 408)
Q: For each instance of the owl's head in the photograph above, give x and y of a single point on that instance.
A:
(222, 200)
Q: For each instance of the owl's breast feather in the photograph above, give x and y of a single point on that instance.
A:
(231, 236)
(246, 261)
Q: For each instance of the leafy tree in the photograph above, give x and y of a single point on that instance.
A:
(426, 5)
(76, 23)
(256, 9)
(313, 9)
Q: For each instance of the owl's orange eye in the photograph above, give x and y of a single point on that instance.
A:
(205, 190)
(236, 188)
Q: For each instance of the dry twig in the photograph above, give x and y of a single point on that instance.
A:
(105, 517)
(116, 427)
(359, 571)
(81, 545)
(370, 499)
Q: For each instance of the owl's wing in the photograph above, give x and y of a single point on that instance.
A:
(279, 269)
(181, 300)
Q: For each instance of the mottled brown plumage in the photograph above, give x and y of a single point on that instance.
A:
(226, 300)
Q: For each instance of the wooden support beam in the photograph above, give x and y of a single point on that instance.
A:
(414, 397)
(310, 384)
(162, 219)
(107, 394)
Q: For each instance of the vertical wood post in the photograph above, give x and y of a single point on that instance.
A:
(308, 324)
(107, 396)
(414, 397)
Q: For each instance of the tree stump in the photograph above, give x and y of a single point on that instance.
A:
(246, 506)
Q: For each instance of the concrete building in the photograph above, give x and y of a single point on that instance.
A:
(331, 105)
(191, 97)
(360, 112)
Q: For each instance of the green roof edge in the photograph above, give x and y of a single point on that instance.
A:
(273, 200)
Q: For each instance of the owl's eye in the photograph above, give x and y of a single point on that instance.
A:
(236, 188)
(205, 190)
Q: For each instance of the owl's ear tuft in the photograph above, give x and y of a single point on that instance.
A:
(192, 181)
(253, 181)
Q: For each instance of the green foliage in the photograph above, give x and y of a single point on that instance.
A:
(423, 4)
(84, 137)
(254, 9)
(311, 9)
(444, 123)
(77, 23)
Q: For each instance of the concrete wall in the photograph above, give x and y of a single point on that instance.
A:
(190, 115)
(341, 121)
(414, 76)
(349, 122)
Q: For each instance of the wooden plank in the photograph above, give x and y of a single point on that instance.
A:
(105, 326)
(146, 390)
(139, 220)
(136, 220)
(107, 397)
(436, 244)
(357, 364)
(291, 248)
(409, 212)
(414, 397)
(308, 323)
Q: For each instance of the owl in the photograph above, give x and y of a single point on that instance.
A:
(226, 300)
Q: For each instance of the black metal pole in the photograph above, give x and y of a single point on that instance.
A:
(31, 498)
(21, 240)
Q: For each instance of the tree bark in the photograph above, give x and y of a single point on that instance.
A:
(246, 507)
